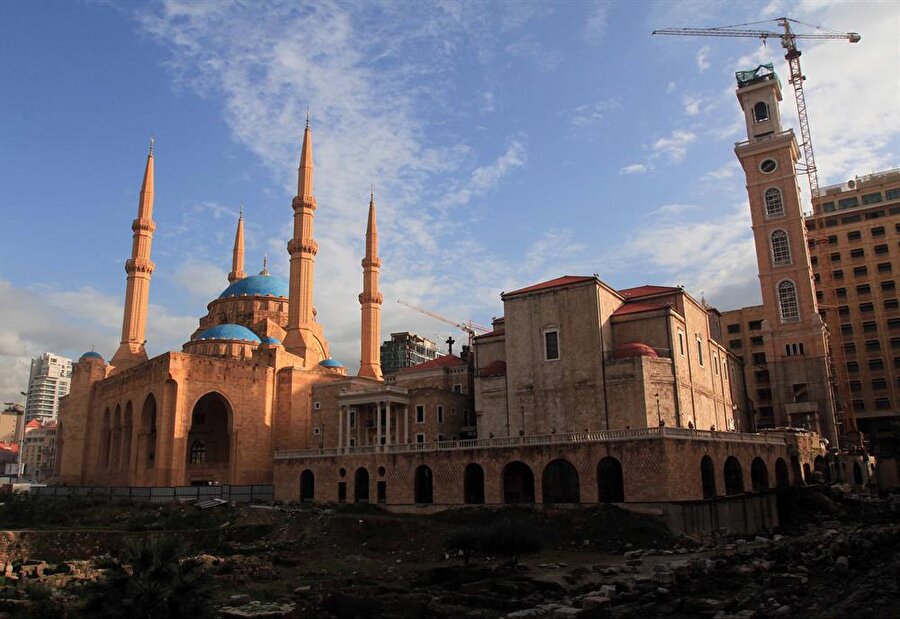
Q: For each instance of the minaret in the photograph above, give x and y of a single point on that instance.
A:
(139, 269)
(795, 337)
(303, 248)
(370, 300)
(237, 256)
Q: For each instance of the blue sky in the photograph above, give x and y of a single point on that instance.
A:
(507, 143)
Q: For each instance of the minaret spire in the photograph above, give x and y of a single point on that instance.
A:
(139, 269)
(237, 255)
(303, 336)
(370, 301)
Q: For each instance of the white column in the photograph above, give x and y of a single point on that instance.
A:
(348, 425)
(378, 424)
(387, 422)
(340, 442)
(406, 424)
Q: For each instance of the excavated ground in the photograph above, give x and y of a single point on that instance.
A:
(836, 555)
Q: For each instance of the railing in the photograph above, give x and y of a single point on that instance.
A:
(572, 438)
(763, 138)
(164, 494)
(859, 180)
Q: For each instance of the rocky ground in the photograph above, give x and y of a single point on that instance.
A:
(836, 555)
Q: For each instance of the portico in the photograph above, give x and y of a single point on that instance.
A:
(373, 418)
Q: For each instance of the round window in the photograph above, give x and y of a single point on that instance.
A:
(768, 166)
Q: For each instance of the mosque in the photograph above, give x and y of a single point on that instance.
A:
(580, 394)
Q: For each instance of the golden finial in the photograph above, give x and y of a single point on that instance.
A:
(152, 142)
(265, 270)
(242, 210)
(307, 117)
(372, 194)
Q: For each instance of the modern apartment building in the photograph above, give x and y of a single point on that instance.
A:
(48, 381)
(854, 241)
(405, 350)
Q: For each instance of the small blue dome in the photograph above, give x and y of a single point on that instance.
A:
(271, 340)
(92, 355)
(331, 363)
(257, 286)
(229, 332)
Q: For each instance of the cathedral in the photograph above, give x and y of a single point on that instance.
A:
(579, 393)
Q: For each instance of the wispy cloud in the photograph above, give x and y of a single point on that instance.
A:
(703, 58)
(590, 115)
(595, 26)
(674, 146)
(634, 168)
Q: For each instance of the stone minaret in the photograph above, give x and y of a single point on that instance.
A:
(302, 248)
(139, 269)
(795, 338)
(237, 256)
(370, 300)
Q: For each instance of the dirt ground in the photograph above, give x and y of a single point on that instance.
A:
(836, 555)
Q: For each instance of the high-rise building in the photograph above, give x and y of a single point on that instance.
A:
(405, 350)
(784, 341)
(48, 381)
(853, 235)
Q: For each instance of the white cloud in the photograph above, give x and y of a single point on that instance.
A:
(590, 115)
(529, 48)
(202, 280)
(634, 168)
(671, 210)
(595, 26)
(691, 105)
(670, 87)
(703, 58)
(772, 8)
(675, 146)
(727, 171)
(488, 102)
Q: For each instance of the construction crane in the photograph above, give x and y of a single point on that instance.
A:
(471, 328)
(789, 43)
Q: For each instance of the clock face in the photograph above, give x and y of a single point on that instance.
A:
(768, 166)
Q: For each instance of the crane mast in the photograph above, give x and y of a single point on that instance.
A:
(471, 328)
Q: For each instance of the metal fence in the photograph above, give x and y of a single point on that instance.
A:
(170, 494)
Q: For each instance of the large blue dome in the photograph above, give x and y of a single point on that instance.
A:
(92, 355)
(331, 363)
(258, 285)
(229, 332)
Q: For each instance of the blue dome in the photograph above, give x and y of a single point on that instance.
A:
(259, 286)
(229, 332)
(92, 355)
(271, 340)
(331, 363)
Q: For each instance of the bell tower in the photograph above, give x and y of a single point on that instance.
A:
(795, 336)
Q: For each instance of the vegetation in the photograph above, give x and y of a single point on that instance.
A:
(155, 578)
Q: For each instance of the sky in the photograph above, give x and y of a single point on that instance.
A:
(507, 143)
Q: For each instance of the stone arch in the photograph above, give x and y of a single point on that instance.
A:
(127, 427)
(807, 473)
(473, 484)
(780, 246)
(423, 485)
(307, 486)
(708, 477)
(518, 483)
(361, 485)
(796, 471)
(857, 474)
(105, 436)
(788, 305)
(759, 475)
(209, 439)
(760, 111)
(782, 477)
(560, 482)
(115, 441)
(734, 476)
(147, 435)
(774, 203)
(610, 481)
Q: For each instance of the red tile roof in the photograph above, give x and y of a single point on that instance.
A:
(646, 291)
(34, 423)
(636, 308)
(565, 280)
(491, 333)
(447, 361)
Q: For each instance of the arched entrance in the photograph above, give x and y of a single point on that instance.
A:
(708, 477)
(759, 475)
(115, 443)
(127, 423)
(782, 477)
(147, 442)
(610, 481)
(209, 441)
(518, 483)
(361, 486)
(424, 489)
(307, 486)
(796, 471)
(560, 483)
(857, 474)
(807, 473)
(105, 434)
(734, 476)
(473, 484)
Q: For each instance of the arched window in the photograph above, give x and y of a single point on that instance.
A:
(198, 452)
(774, 205)
(781, 248)
(787, 301)
(760, 112)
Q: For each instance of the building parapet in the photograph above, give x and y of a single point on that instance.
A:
(763, 138)
(857, 181)
(573, 438)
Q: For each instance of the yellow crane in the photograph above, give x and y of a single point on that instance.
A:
(792, 55)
